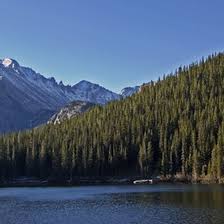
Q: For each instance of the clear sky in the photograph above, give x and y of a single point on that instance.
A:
(115, 43)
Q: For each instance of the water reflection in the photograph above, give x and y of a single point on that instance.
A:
(159, 204)
(193, 199)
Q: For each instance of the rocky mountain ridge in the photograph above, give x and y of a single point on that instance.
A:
(29, 99)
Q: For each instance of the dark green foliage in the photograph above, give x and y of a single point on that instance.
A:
(175, 125)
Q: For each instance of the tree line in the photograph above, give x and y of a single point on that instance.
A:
(172, 126)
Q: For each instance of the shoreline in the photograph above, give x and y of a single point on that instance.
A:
(35, 182)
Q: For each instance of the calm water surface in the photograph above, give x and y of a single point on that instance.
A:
(154, 204)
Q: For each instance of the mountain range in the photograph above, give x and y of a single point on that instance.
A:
(29, 99)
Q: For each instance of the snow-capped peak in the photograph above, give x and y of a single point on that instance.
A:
(8, 62)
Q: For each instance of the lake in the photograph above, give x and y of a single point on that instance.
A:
(154, 204)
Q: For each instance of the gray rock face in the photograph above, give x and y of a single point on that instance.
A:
(29, 99)
(73, 109)
(128, 91)
(86, 90)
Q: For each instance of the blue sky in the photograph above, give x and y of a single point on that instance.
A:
(115, 43)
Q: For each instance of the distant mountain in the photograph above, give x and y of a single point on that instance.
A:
(128, 91)
(29, 99)
(87, 91)
(73, 109)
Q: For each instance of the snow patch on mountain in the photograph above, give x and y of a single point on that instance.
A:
(7, 62)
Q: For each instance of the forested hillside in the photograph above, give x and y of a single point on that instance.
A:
(172, 126)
